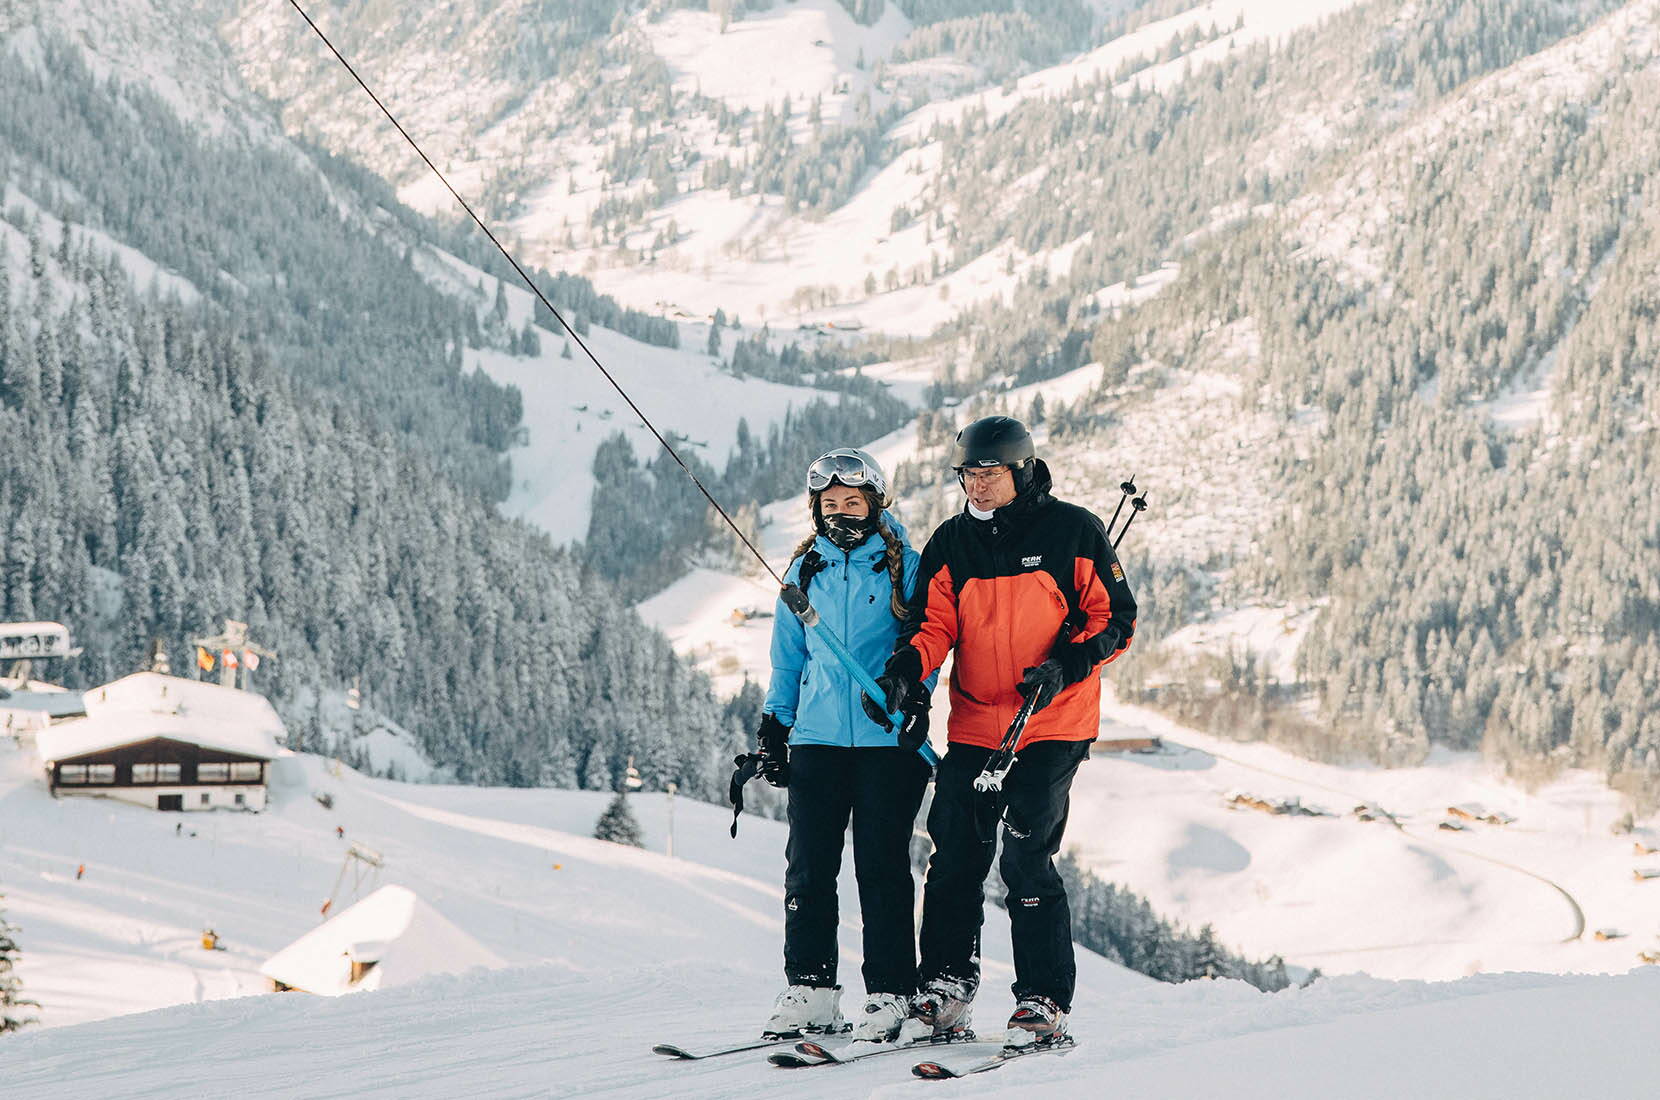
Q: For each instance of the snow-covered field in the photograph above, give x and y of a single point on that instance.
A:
(609, 950)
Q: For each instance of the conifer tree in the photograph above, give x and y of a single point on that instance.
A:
(617, 824)
(12, 1001)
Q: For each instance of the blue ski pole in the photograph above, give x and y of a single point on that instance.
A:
(796, 600)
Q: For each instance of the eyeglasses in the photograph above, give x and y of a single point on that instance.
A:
(984, 476)
(848, 467)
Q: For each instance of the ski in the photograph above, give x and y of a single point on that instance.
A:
(810, 1053)
(673, 1051)
(935, 1071)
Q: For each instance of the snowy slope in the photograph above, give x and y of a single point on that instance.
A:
(570, 408)
(516, 870)
(618, 949)
(538, 1033)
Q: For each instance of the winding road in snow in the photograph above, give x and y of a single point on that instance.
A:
(1431, 840)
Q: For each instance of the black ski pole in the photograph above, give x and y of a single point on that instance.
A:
(998, 764)
(1137, 506)
(1128, 489)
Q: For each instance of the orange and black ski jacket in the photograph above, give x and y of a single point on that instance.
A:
(1007, 593)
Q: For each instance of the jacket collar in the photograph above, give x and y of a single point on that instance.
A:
(1028, 503)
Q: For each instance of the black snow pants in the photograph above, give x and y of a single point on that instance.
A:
(881, 790)
(1036, 798)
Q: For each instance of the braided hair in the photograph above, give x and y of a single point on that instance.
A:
(894, 558)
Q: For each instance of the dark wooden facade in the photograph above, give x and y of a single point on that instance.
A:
(161, 751)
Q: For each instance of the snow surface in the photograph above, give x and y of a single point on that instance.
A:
(570, 408)
(795, 50)
(514, 869)
(148, 704)
(610, 949)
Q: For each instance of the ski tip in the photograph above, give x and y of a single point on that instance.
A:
(931, 1071)
(671, 1051)
(786, 1060)
(813, 1050)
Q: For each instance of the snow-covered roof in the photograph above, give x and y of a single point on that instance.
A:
(54, 703)
(147, 705)
(402, 935)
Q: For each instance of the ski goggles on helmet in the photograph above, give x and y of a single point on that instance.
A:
(850, 467)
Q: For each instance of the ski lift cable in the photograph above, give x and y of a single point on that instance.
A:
(534, 289)
(798, 602)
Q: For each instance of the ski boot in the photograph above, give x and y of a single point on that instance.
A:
(941, 1010)
(1037, 1021)
(806, 1010)
(880, 1020)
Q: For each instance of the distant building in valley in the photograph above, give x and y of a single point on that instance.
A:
(167, 743)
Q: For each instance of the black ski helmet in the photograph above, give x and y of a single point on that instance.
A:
(996, 441)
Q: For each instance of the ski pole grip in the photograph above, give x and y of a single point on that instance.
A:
(796, 600)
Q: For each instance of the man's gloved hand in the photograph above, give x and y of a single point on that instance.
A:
(913, 732)
(1041, 683)
(772, 744)
(1079, 659)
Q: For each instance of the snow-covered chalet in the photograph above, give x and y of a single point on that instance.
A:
(167, 743)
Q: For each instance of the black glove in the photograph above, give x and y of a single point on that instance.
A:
(913, 731)
(1042, 683)
(900, 687)
(1078, 659)
(772, 744)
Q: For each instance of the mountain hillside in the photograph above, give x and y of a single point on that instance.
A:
(239, 380)
(1354, 287)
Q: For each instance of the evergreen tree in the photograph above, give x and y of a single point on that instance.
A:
(12, 1001)
(617, 824)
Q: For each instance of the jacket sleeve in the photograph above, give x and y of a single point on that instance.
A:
(913, 566)
(789, 657)
(1104, 598)
(931, 626)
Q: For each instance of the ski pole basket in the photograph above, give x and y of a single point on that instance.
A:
(997, 767)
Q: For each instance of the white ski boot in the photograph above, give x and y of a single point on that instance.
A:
(942, 1008)
(806, 1010)
(1037, 1020)
(880, 1018)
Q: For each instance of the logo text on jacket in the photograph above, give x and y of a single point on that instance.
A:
(1031, 562)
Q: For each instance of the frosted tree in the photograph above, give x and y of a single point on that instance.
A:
(617, 824)
(12, 1001)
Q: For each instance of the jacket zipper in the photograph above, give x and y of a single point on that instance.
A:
(847, 634)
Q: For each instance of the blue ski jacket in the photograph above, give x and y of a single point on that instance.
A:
(810, 691)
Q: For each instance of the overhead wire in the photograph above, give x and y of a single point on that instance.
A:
(534, 289)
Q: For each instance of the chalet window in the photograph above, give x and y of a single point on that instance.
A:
(245, 772)
(212, 773)
(144, 773)
(71, 773)
(206, 798)
(100, 773)
(241, 799)
(167, 773)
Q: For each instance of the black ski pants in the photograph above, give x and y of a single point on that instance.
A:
(964, 824)
(880, 789)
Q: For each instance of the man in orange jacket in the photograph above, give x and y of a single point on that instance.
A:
(1028, 592)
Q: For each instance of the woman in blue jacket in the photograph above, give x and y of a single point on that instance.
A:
(859, 571)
